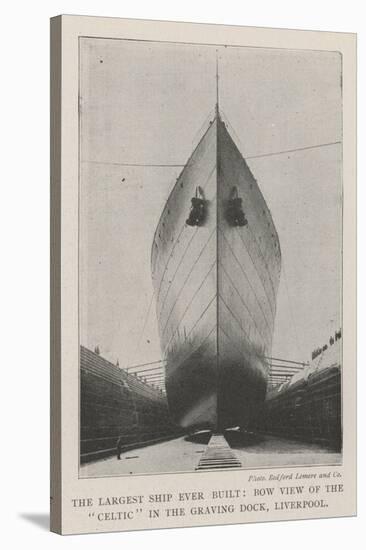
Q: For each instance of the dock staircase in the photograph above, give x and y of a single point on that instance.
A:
(218, 455)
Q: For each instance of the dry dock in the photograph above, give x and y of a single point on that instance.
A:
(183, 454)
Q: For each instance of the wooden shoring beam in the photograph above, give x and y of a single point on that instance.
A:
(286, 361)
(147, 370)
(145, 364)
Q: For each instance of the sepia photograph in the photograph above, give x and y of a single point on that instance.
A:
(210, 257)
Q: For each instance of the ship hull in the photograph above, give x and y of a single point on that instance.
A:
(215, 287)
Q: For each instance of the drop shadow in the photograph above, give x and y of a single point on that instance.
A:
(202, 437)
(242, 439)
(40, 520)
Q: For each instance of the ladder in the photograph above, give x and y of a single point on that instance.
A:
(218, 455)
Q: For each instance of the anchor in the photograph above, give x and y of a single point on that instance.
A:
(234, 211)
(198, 212)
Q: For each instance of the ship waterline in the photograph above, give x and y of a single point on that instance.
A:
(215, 274)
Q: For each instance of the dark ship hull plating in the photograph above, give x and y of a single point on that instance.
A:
(216, 286)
